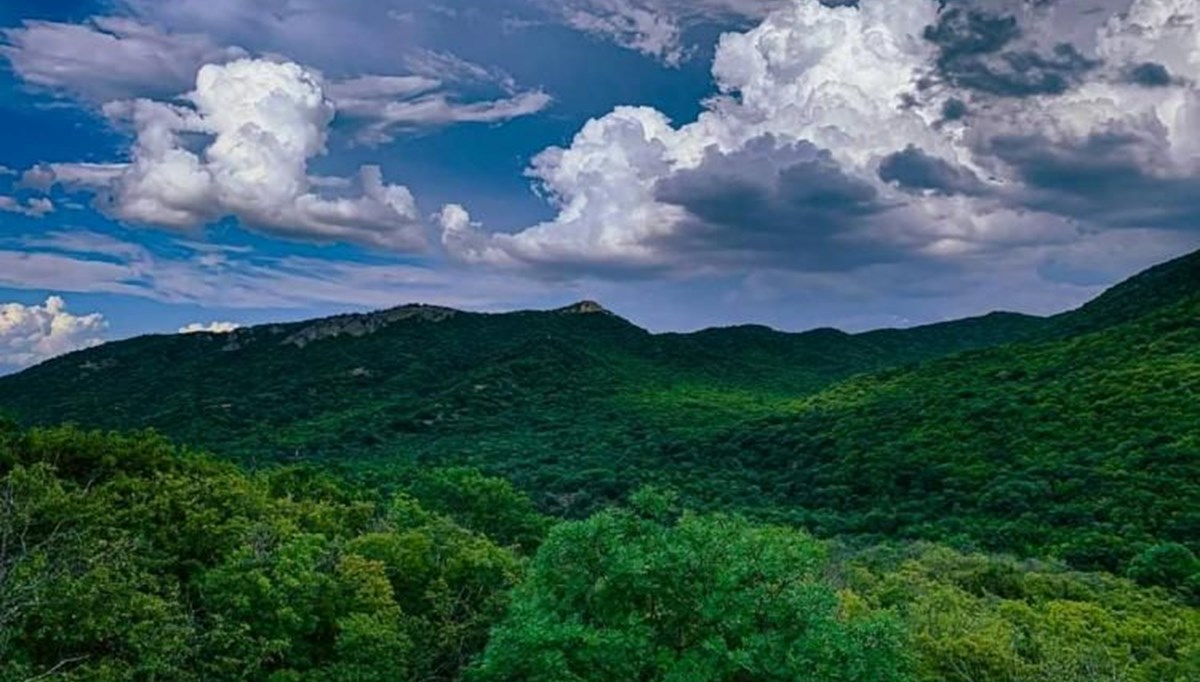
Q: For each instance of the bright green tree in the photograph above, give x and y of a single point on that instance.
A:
(628, 596)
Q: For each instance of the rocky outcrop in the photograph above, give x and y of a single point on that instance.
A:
(366, 323)
(584, 308)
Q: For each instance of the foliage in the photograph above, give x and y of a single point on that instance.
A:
(972, 618)
(712, 598)
(395, 470)
(138, 561)
(122, 559)
(1084, 449)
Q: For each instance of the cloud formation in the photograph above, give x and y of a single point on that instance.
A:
(31, 334)
(108, 58)
(210, 328)
(812, 97)
(36, 207)
(114, 58)
(882, 132)
(235, 278)
(261, 123)
(655, 28)
(389, 104)
(772, 204)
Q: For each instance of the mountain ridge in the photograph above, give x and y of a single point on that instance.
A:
(403, 355)
(951, 430)
(1125, 300)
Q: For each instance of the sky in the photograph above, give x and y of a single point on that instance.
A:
(196, 165)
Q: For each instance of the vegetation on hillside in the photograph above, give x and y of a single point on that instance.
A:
(424, 494)
(123, 558)
(1085, 449)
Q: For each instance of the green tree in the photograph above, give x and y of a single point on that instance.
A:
(1165, 565)
(706, 598)
(488, 505)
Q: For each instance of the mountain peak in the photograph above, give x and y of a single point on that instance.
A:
(583, 308)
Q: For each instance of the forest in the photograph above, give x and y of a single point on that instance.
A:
(424, 494)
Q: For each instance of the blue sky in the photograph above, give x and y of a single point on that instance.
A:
(168, 163)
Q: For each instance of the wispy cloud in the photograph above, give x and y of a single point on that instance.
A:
(232, 278)
(389, 105)
(108, 58)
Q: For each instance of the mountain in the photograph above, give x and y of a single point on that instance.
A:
(370, 381)
(1075, 436)
(1082, 442)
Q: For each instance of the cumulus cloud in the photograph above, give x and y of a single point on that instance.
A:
(261, 123)
(771, 204)
(31, 334)
(1111, 151)
(109, 58)
(914, 170)
(978, 50)
(210, 328)
(126, 58)
(879, 132)
(812, 95)
(36, 207)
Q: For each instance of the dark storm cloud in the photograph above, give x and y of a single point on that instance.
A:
(954, 110)
(1108, 179)
(778, 204)
(979, 51)
(913, 170)
(1150, 75)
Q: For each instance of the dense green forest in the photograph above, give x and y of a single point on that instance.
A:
(428, 494)
(123, 558)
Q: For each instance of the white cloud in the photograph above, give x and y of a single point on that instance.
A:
(125, 59)
(833, 78)
(391, 103)
(630, 25)
(447, 66)
(210, 328)
(263, 121)
(655, 28)
(815, 99)
(108, 58)
(224, 277)
(37, 207)
(370, 88)
(31, 334)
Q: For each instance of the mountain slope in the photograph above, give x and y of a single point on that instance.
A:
(1077, 435)
(351, 383)
(1159, 287)
(1086, 448)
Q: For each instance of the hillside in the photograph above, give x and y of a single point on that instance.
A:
(1001, 498)
(1075, 436)
(355, 384)
(1087, 449)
